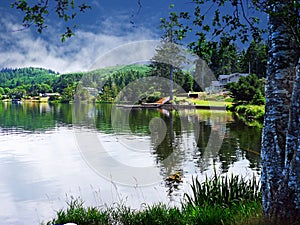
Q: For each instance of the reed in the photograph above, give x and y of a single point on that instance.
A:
(223, 190)
(76, 212)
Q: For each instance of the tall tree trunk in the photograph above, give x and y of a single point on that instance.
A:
(280, 146)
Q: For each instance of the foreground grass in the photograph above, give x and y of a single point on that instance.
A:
(219, 200)
(245, 213)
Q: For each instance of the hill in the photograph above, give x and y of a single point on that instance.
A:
(21, 82)
(11, 78)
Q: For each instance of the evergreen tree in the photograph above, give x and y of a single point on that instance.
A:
(254, 59)
(224, 58)
(247, 90)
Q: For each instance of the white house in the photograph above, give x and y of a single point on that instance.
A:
(218, 86)
(225, 79)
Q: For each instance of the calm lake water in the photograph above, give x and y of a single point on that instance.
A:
(105, 155)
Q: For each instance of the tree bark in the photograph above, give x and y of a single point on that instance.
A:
(280, 142)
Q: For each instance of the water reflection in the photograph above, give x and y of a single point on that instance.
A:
(39, 156)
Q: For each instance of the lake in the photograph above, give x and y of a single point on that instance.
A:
(104, 154)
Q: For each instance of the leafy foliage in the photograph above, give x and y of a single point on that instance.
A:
(118, 81)
(35, 14)
(34, 81)
(251, 112)
(67, 94)
(27, 81)
(247, 89)
(289, 10)
(213, 40)
(215, 19)
(12, 78)
(248, 94)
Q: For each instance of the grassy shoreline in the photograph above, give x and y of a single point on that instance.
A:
(217, 201)
(251, 115)
(207, 101)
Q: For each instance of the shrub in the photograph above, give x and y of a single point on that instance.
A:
(258, 99)
(246, 88)
(251, 112)
(153, 97)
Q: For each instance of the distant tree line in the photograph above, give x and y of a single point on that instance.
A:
(225, 58)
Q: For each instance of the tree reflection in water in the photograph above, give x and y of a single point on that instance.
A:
(185, 141)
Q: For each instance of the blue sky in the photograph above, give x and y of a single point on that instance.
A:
(101, 29)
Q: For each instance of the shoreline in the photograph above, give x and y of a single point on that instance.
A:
(128, 106)
(172, 106)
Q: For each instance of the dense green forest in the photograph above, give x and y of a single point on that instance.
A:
(29, 82)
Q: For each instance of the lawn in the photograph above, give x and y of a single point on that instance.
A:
(200, 102)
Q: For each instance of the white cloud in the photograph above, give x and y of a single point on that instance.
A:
(26, 48)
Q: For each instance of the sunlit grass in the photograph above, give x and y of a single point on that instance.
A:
(238, 213)
(209, 102)
(201, 102)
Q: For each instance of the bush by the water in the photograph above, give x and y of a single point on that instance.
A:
(219, 200)
(247, 90)
(251, 112)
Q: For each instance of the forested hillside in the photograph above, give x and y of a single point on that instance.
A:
(12, 78)
(29, 82)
